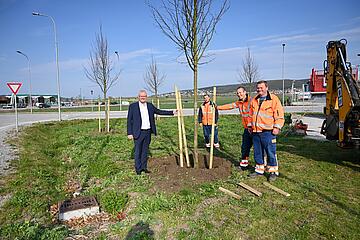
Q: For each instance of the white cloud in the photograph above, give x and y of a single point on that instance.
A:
(350, 22)
(226, 50)
(135, 54)
(305, 36)
(275, 36)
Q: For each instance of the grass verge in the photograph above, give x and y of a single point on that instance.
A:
(323, 181)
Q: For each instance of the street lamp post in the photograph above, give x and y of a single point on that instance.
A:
(57, 60)
(283, 80)
(30, 101)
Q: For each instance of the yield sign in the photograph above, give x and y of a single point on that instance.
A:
(14, 86)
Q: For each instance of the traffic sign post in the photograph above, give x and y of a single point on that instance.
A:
(14, 87)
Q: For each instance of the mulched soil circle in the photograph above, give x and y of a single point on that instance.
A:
(168, 176)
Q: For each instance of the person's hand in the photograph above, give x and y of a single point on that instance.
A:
(130, 137)
(200, 124)
(275, 131)
(250, 129)
(175, 111)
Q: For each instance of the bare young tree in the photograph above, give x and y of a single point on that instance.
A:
(153, 79)
(249, 72)
(101, 67)
(190, 24)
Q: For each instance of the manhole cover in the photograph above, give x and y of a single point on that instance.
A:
(78, 207)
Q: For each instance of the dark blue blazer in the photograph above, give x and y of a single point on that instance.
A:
(134, 118)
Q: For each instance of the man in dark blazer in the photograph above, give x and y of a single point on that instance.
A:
(140, 125)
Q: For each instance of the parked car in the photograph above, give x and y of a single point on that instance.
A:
(304, 96)
(7, 106)
(42, 105)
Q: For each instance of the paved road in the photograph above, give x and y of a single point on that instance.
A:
(7, 120)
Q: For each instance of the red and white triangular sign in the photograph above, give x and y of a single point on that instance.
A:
(14, 86)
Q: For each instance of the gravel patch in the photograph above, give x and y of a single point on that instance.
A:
(7, 154)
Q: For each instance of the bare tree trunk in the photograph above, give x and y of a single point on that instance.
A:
(196, 125)
(196, 60)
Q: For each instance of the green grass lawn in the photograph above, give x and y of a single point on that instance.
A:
(322, 179)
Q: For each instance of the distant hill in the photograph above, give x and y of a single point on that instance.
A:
(274, 85)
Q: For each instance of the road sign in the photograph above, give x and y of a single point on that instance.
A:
(14, 86)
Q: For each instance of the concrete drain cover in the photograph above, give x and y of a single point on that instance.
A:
(78, 207)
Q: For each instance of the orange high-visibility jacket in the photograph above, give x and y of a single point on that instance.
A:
(205, 115)
(244, 109)
(266, 115)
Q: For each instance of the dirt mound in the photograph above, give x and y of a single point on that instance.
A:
(170, 177)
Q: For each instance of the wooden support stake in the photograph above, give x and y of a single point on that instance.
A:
(99, 109)
(181, 161)
(212, 130)
(181, 113)
(276, 189)
(230, 193)
(256, 192)
(108, 115)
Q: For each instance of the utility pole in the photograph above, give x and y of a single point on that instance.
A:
(283, 80)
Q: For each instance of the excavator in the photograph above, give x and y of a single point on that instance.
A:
(342, 111)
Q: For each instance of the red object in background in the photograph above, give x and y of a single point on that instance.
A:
(318, 83)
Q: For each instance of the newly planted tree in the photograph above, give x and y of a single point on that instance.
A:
(190, 24)
(101, 68)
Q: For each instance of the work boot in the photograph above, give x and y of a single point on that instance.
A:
(244, 163)
(255, 175)
(272, 177)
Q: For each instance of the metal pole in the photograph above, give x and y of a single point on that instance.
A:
(29, 68)
(16, 115)
(57, 60)
(283, 80)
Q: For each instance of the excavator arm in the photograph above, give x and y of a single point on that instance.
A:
(342, 109)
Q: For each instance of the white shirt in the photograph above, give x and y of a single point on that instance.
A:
(145, 120)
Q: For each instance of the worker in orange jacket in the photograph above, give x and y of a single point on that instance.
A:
(243, 104)
(205, 118)
(267, 118)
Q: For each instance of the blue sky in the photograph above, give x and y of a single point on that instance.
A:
(304, 26)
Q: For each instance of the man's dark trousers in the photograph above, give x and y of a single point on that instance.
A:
(246, 145)
(141, 148)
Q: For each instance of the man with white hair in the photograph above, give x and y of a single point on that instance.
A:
(140, 125)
